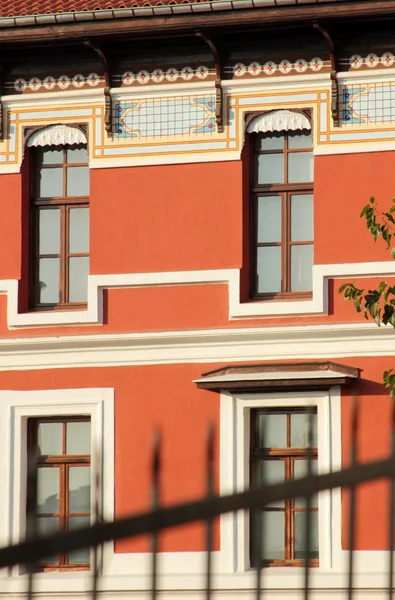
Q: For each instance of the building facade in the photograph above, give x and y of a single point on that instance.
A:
(180, 189)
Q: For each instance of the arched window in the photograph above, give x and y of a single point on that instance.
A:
(59, 217)
(282, 174)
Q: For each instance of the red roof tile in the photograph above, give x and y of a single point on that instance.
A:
(18, 8)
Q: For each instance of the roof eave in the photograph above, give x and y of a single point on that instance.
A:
(184, 17)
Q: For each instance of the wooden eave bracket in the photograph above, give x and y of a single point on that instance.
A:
(219, 97)
(1, 104)
(278, 376)
(107, 85)
(334, 81)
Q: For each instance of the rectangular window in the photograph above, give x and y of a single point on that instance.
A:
(282, 214)
(60, 226)
(279, 452)
(63, 448)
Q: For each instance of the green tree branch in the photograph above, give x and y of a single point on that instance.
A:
(378, 304)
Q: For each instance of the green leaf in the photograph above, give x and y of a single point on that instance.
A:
(372, 200)
(383, 285)
(343, 287)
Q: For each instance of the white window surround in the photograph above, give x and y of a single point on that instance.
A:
(16, 408)
(235, 470)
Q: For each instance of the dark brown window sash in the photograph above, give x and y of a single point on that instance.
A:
(285, 191)
(62, 462)
(63, 203)
(288, 456)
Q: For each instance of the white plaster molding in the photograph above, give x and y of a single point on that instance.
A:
(57, 135)
(230, 277)
(279, 120)
(202, 346)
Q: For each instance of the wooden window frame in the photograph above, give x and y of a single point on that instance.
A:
(63, 462)
(285, 191)
(288, 456)
(63, 203)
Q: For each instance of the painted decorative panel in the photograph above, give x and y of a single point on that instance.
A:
(368, 104)
(165, 117)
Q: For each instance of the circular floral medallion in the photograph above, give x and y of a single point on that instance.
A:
(372, 60)
(202, 72)
(356, 61)
(316, 64)
(78, 80)
(63, 82)
(157, 76)
(93, 79)
(269, 67)
(49, 82)
(19, 84)
(239, 70)
(387, 59)
(254, 68)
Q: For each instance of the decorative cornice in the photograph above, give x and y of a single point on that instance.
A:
(255, 344)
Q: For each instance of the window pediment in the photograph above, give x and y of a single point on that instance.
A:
(57, 135)
(279, 120)
(278, 376)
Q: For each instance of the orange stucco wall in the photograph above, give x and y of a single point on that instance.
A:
(193, 217)
(164, 397)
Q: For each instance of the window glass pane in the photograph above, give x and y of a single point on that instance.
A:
(302, 268)
(270, 168)
(79, 230)
(300, 423)
(77, 154)
(271, 471)
(302, 228)
(300, 140)
(79, 556)
(300, 167)
(269, 219)
(78, 181)
(48, 275)
(47, 490)
(49, 156)
(300, 534)
(270, 141)
(79, 489)
(78, 437)
(48, 526)
(50, 183)
(49, 438)
(269, 269)
(273, 529)
(272, 431)
(78, 282)
(49, 231)
(301, 470)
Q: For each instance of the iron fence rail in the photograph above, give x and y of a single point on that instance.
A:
(211, 506)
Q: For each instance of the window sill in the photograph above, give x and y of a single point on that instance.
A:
(281, 297)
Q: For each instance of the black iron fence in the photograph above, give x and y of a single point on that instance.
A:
(28, 553)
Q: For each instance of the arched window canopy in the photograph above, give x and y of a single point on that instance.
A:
(57, 135)
(279, 120)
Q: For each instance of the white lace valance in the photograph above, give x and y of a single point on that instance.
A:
(279, 120)
(57, 135)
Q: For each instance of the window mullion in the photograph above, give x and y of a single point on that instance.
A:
(62, 507)
(63, 225)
